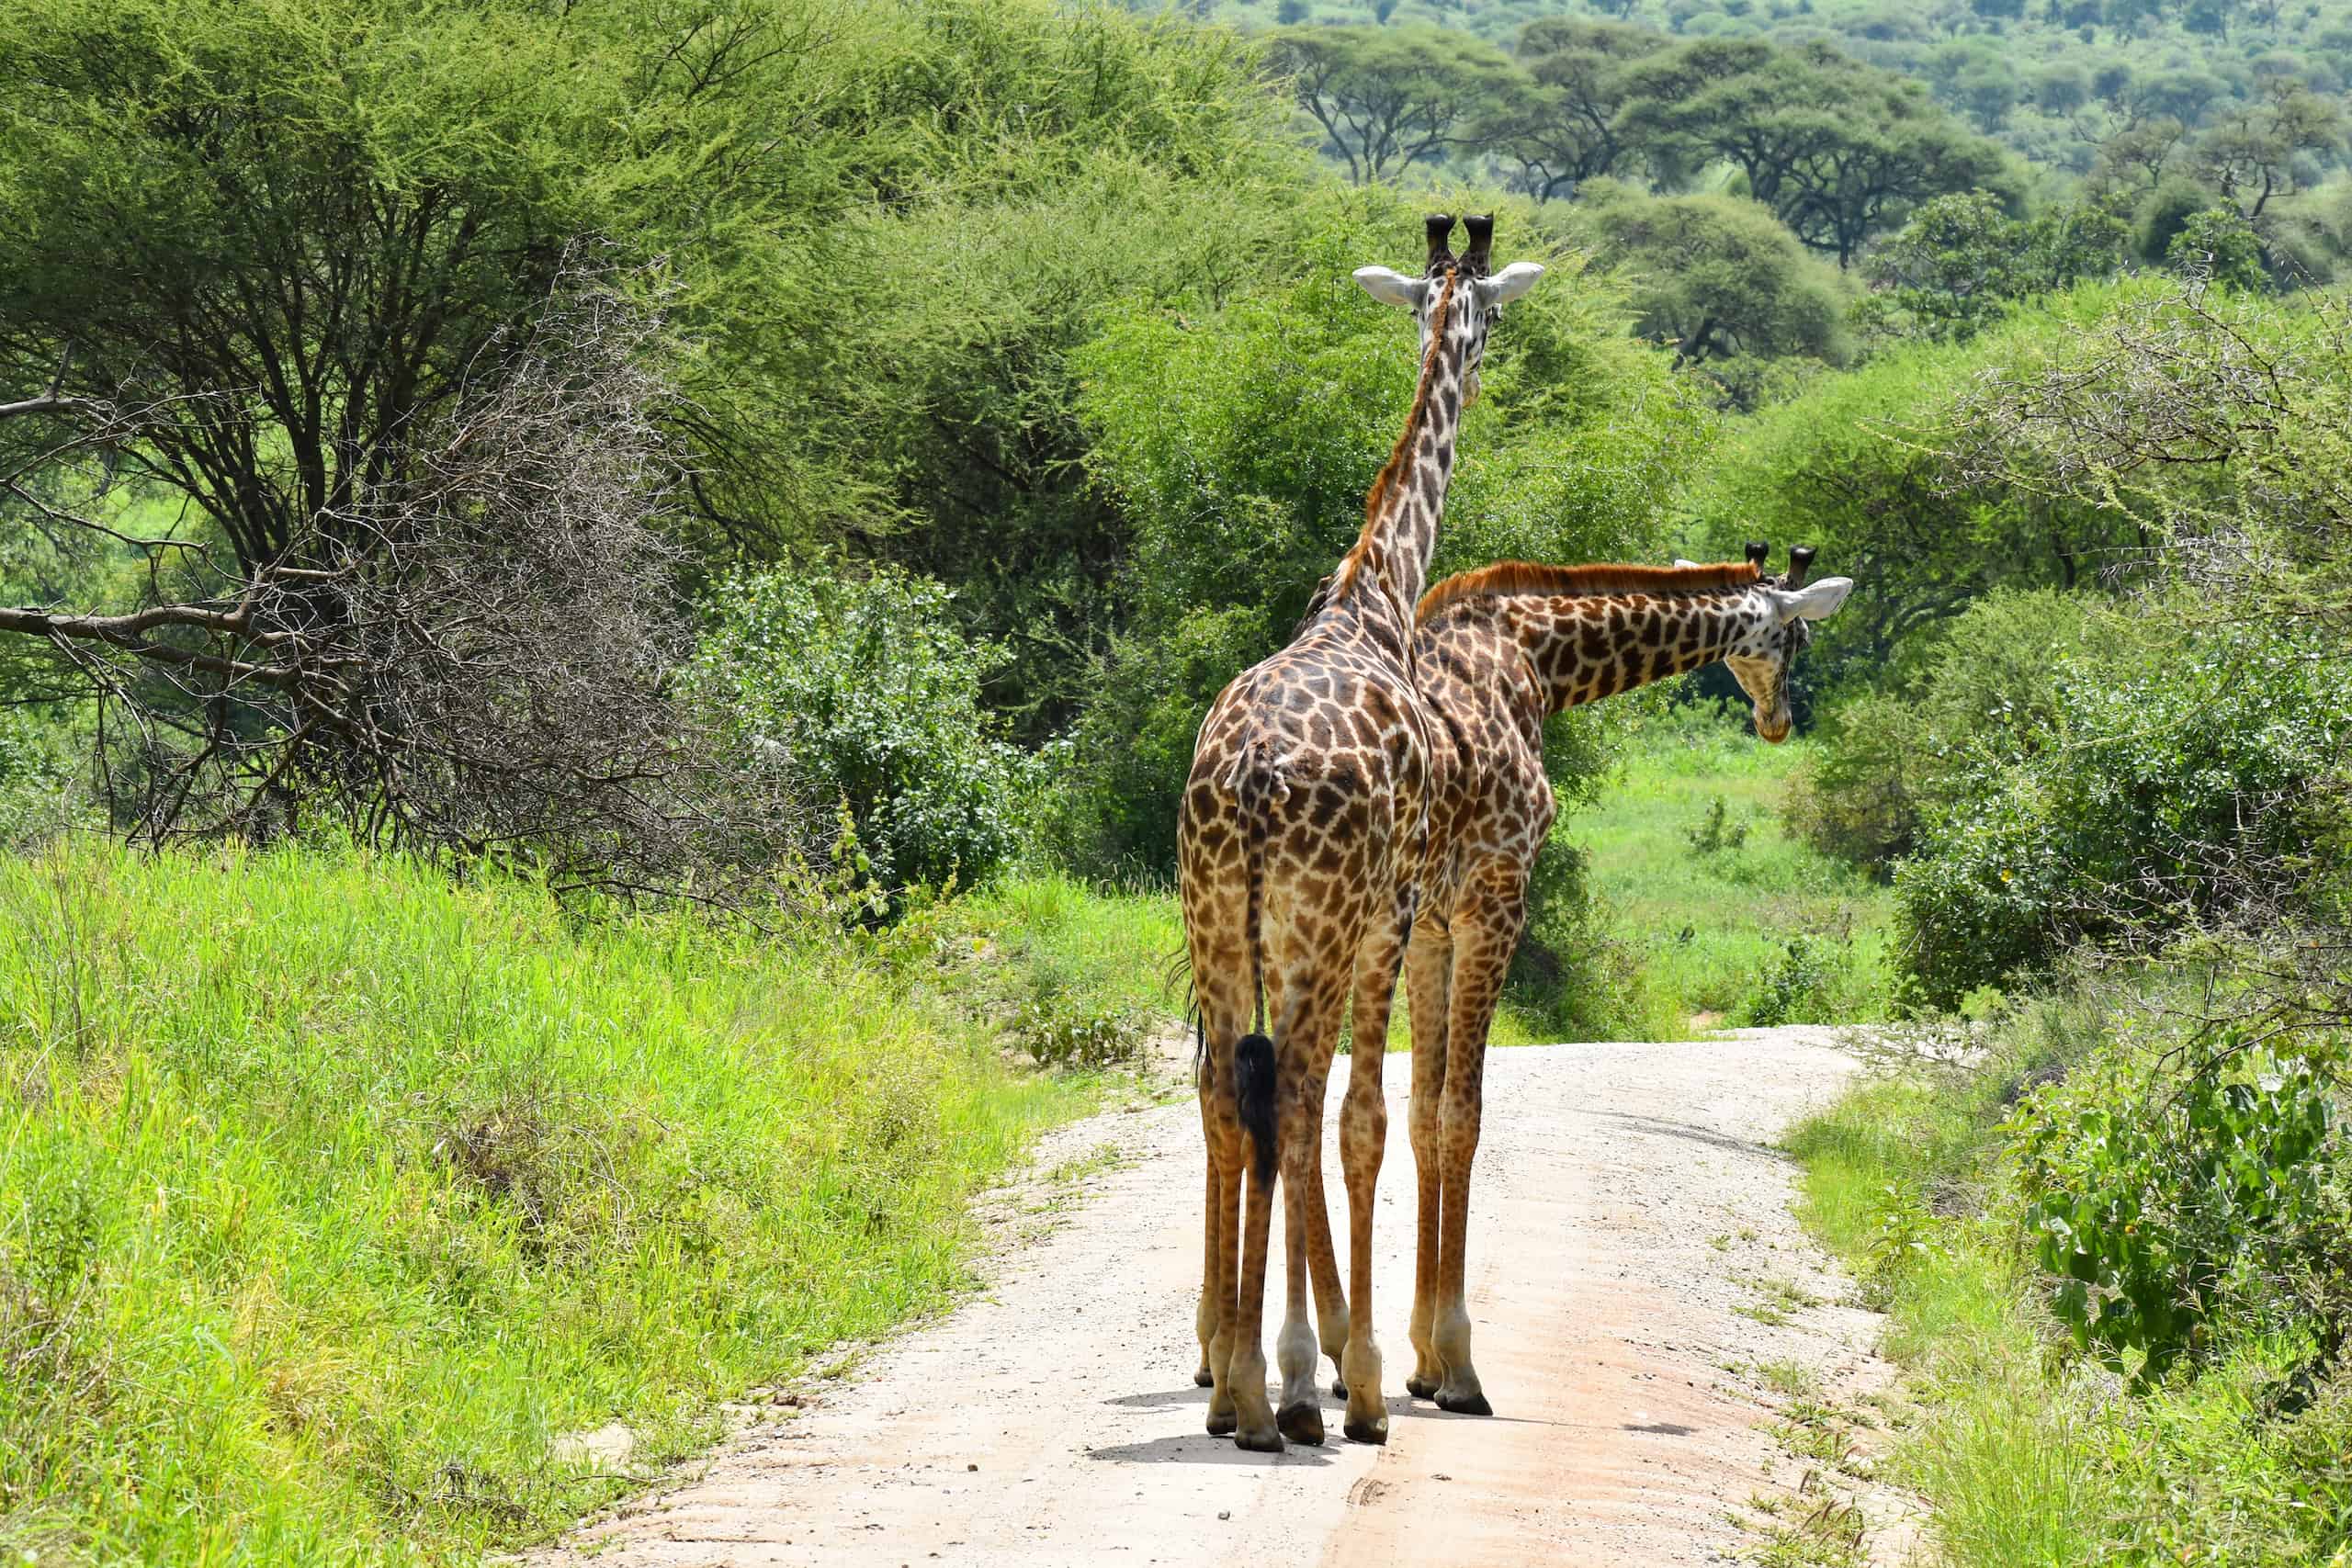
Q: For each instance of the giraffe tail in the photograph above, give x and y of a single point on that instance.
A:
(1254, 1085)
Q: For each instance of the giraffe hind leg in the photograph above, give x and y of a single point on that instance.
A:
(1429, 960)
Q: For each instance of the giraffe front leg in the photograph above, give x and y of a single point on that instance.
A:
(1482, 953)
(1458, 1387)
(1428, 986)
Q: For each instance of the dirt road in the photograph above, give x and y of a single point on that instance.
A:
(1643, 1301)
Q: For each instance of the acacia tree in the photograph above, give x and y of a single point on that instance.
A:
(1388, 97)
(1559, 125)
(1836, 148)
(1961, 260)
(1714, 275)
(307, 286)
(468, 655)
(2254, 154)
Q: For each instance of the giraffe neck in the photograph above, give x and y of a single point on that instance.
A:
(1392, 555)
(1586, 647)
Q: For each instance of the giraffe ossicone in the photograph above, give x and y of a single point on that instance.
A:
(1300, 857)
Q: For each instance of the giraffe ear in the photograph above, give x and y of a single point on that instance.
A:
(1511, 283)
(1392, 288)
(1814, 602)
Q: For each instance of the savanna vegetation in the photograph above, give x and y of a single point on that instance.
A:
(601, 607)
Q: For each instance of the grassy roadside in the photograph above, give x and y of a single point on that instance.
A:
(2027, 1451)
(331, 1193)
(1727, 915)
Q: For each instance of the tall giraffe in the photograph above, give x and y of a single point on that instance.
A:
(1496, 651)
(1299, 843)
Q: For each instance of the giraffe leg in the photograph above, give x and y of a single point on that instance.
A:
(1225, 999)
(1483, 945)
(1225, 1160)
(1205, 1320)
(1322, 1261)
(1299, 1414)
(1430, 960)
(1245, 1372)
(1363, 1141)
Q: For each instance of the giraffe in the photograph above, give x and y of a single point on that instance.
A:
(1299, 842)
(1496, 651)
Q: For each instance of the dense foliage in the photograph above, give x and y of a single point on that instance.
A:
(862, 694)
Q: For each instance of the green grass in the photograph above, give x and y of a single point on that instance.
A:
(1712, 928)
(332, 1193)
(2028, 1456)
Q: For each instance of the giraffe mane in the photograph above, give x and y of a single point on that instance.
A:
(1563, 581)
(1400, 455)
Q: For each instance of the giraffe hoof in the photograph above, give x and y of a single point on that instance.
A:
(1222, 1424)
(1302, 1423)
(1338, 1388)
(1204, 1379)
(1375, 1432)
(1269, 1442)
(1421, 1388)
(1464, 1403)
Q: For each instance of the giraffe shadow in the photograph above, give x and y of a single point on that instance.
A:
(1685, 1130)
(1188, 1395)
(1199, 1448)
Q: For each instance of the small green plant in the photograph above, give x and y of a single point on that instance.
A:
(1796, 987)
(1061, 1030)
(1716, 831)
(2148, 1207)
(1906, 1233)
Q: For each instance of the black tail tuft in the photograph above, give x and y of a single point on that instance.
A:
(1253, 1087)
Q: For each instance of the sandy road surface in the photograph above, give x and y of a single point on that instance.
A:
(1629, 1235)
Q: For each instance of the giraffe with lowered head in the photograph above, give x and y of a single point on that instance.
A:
(1300, 844)
(1496, 651)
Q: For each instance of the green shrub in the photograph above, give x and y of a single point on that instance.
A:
(865, 691)
(1982, 683)
(1571, 975)
(1716, 831)
(2186, 780)
(2156, 1199)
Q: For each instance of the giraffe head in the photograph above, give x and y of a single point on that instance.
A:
(1766, 645)
(1479, 296)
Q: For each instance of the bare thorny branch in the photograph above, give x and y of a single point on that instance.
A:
(467, 657)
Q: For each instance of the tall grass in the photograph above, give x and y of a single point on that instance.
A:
(2029, 1455)
(331, 1193)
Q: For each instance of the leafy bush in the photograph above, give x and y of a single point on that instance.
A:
(2179, 783)
(33, 773)
(1797, 985)
(1984, 683)
(1573, 977)
(863, 689)
(2153, 1200)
